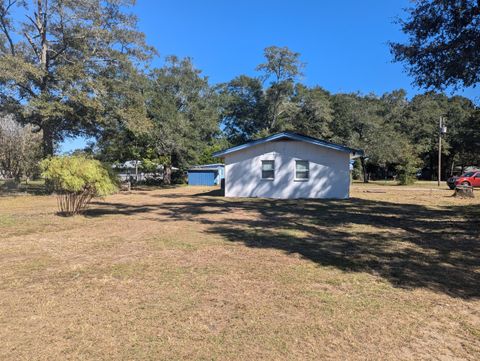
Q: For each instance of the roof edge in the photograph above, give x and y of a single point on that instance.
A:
(294, 136)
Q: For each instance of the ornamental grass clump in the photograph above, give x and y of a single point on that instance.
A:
(77, 180)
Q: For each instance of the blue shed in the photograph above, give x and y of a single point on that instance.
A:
(206, 175)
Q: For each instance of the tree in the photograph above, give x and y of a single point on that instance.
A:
(76, 180)
(20, 149)
(259, 106)
(243, 108)
(462, 134)
(421, 127)
(64, 64)
(183, 109)
(407, 165)
(470, 134)
(183, 121)
(358, 123)
(370, 123)
(443, 46)
(216, 145)
(313, 114)
(281, 69)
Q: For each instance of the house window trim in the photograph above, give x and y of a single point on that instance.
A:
(295, 178)
(261, 169)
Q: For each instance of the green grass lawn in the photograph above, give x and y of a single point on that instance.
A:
(182, 273)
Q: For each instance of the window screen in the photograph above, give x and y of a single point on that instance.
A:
(268, 169)
(302, 169)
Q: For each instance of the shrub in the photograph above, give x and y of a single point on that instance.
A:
(357, 170)
(408, 166)
(76, 180)
(405, 177)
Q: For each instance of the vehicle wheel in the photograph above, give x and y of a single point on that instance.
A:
(465, 184)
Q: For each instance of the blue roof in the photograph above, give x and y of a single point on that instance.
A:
(292, 136)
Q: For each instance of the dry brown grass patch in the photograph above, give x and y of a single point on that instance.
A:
(180, 274)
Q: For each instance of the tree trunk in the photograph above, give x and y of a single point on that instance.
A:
(48, 150)
(47, 142)
(41, 25)
(464, 192)
(167, 174)
(364, 169)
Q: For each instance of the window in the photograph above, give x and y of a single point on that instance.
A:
(268, 169)
(302, 169)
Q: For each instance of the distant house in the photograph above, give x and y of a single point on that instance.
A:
(288, 165)
(206, 174)
(132, 170)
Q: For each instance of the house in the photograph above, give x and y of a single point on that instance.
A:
(206, 174)
(132, 170)
(288, 165)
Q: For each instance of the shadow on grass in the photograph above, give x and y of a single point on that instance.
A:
(409, 245)
(147, 188)
(34, 188)
(217, 192)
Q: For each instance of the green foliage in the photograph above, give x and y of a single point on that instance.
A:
(243, 107)
(183, 113)
(282, 68)
(77, 180)
(255, 107)
(282, 65)
(313, 112)
(408, 165)
(67, 67)
(150, 165)
(357, 170)
(443, 43)
(73, 174)
(183, 110)
(217, 145)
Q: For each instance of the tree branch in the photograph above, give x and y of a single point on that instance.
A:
(28, 90)
(4, 25)
(9, 39)
(34, 23)
(32, 44)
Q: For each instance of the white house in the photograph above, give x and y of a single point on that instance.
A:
(288, 165)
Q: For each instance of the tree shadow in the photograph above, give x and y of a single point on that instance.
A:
(18, 189)
(217, 192)
(411, 246)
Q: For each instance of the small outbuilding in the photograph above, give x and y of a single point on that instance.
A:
(206, 174)
(288, 165)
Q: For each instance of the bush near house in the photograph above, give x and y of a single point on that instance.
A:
(76, 180)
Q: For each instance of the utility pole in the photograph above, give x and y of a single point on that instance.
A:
(442, 129)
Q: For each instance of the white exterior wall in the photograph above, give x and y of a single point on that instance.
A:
(329, 171)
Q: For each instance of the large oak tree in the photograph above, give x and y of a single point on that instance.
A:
(65, 65)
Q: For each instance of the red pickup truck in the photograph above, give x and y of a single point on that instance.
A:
(469, 179)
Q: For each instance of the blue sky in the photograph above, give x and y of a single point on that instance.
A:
(343, 43)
